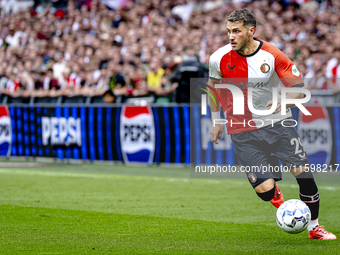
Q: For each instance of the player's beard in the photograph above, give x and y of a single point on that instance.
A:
(244, 43)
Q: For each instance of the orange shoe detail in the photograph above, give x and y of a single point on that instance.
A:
(320, 233)
(278, 197)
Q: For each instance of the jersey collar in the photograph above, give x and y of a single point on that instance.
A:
(256, 51)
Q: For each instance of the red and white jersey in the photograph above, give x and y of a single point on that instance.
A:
(262, 70)
(74, 80)
(333, 69)
(12, 86)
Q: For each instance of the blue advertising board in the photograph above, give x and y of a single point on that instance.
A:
(176, 134)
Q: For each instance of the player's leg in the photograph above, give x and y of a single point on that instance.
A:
(253, 160)
(310, 195)
(269, 191)
(278, 199)
(266, 190)
(266, 186)
(292, 153)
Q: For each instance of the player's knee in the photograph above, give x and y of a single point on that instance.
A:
(265, 186)
(268, 195)
(266, 190)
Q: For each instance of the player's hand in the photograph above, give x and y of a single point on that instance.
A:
(278, 107)
(216, 132)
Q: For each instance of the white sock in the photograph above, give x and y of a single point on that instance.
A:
(313, 224)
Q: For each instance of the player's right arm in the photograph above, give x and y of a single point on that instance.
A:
(215, 76)
(214, 104)
(216, 130)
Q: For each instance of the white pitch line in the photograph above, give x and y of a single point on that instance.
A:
(114, 176)
(295, 186)
(330, 188)
(81, 175)
(59, 174)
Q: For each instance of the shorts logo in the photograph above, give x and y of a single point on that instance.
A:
(295, 71)
(252, 177)
(265, 68)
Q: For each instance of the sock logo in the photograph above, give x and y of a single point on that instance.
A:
(310, 199)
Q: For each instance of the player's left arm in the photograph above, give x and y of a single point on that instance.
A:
(289, 76)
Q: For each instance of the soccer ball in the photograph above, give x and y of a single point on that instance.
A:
(293, 216)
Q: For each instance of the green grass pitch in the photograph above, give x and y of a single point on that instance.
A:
(106, 209)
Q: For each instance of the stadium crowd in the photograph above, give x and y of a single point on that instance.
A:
(89, 49)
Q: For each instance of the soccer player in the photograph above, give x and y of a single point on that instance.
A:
(249, 62)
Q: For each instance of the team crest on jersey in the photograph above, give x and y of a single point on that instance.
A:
(252, 177)
(265, 68)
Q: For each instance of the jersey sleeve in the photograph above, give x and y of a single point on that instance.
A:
(287, 71)
(214, 68)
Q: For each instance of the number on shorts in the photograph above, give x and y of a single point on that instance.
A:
(297, 143)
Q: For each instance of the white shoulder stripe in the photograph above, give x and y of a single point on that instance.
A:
(215, 61)
(217, 55)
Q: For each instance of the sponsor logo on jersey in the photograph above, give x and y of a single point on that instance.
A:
(61, 131)
(316, 135)
(5, 132)
(249, 84)
(265, 68)
(137, 134)
(295, 71)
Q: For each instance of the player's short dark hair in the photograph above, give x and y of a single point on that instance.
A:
(244, 15)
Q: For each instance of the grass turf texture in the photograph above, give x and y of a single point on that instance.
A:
(103, 209)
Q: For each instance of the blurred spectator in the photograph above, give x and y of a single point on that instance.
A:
(108, 97)
(59, 67)
(116, 79)
(27, 82)
(103, 81)
(63, 79)
(13, 38)
(155, 75)
(333, 71)
(189, 68)
(315, 76)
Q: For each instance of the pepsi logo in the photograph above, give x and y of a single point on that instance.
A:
(61, 131)
(137, 134)
(316, 135)
(5, 132)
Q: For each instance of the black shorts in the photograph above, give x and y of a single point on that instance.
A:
(260, 149)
